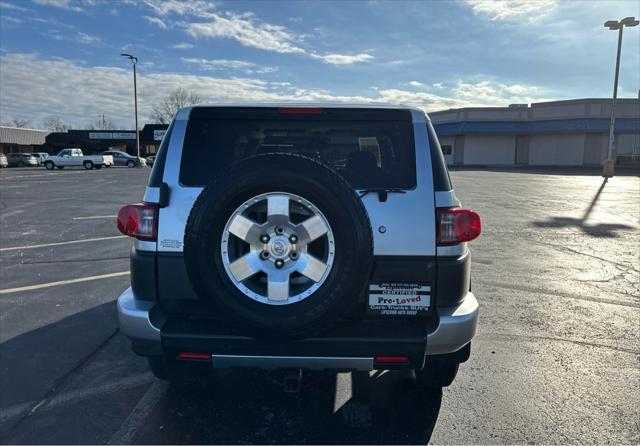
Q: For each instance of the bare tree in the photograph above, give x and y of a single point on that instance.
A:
(55, 124)
(163, 112)
(101, 124)
(15, 122)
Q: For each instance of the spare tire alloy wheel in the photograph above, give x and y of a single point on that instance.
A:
(279, 248)
(281, 241)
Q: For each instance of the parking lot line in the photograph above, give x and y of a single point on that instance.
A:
(139, 414)
(63, 282)
(94, 216)
(46, 245)
(73, 396)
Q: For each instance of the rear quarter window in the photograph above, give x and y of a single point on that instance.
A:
(370, 151)
(441, 179)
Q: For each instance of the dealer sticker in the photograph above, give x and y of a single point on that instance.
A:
(399, 299)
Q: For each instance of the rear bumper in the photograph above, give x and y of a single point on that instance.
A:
(151, 333)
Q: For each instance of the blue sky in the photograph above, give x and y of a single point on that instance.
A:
(61, 57)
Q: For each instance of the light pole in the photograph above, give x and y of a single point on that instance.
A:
(607, 170)
(134, 61)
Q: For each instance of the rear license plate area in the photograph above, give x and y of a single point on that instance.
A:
(399, 299)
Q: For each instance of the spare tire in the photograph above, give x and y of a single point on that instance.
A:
(283, 242)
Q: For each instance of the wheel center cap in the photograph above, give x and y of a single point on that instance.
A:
(279, 246)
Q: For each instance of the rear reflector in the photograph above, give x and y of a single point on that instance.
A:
(457, 225)
(139, 221)
(195, 356)
(299, 110)
(391, 359)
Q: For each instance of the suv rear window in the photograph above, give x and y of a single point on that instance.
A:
(369, 148)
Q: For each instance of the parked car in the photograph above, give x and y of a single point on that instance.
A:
(3, 160)
(40, 156)
(150, 160)
(74, 157)
(21, 160)
(124, 159)
(322, 237)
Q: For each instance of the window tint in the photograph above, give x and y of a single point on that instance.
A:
(368, 153)
(158, 166)
(441, 180)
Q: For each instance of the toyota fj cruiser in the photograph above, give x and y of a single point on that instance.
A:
(300, 237)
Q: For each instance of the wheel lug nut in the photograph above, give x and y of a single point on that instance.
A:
(293, 238)
(264, 238)
(279, 263)
(264, 255)
(279, 230)
(294, 255)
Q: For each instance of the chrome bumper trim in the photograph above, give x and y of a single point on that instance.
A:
(134, 317)
(456, 328)
(296, 362)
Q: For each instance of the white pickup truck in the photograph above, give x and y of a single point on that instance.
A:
(74, 157)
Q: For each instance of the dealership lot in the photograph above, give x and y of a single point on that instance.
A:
(556, 359)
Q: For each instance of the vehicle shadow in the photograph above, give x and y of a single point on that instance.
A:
(608, 230)
(250, 406)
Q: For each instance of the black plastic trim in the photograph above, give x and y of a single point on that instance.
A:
(143, 274)
(452, 283)
(366, 339)
(409, 269)
(459, 356)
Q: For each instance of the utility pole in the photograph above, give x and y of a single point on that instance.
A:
(134, 61)
(608, 168)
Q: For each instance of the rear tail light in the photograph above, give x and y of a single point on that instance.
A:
(139, 221)
(191, 356)
(457, 225)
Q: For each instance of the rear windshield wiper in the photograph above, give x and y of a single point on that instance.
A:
(383, 192)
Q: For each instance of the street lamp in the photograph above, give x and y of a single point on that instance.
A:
(134, 61)
(613, 25)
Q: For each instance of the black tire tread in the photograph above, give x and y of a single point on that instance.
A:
(323, 324)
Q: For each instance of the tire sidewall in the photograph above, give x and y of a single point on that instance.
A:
(49, 165)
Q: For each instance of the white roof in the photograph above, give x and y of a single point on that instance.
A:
(21, 136)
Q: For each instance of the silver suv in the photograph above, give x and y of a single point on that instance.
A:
(313, 237)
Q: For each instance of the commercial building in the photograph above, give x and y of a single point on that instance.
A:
(94, 141)
(558, 133)
(17, 140)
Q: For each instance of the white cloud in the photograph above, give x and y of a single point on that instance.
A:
(496, 93)
(343, 59)
(5, 6)
(33, 88)
(511, 10)
(247, 31)
(156, 21)
(180, 7)
(244, 28)
(227, 64)
(182, 46)
(417, 84)
(86, 39)
(62, 4)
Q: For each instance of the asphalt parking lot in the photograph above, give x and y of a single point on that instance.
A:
(556, 358)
